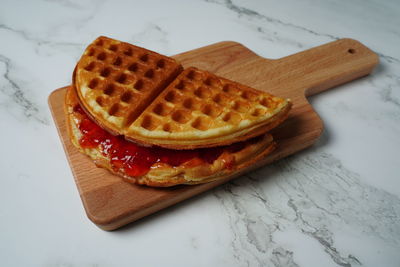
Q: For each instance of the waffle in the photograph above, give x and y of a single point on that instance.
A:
(115, 81)
(200, 109)
(162, 175)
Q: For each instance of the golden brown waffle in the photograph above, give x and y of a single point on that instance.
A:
(115, 81)
(161, 174)
(200, 109)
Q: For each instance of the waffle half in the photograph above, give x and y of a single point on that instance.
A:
(194, 171)
(115, 81)
(200, 109)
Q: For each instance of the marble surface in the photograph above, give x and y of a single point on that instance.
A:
(335, 204)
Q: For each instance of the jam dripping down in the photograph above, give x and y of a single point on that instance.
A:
(136, 160)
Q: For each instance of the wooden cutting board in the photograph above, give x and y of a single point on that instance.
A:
(111, 203)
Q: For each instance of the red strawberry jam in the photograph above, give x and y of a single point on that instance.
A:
(136, 160)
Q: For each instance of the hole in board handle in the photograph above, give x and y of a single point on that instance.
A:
(351, 51)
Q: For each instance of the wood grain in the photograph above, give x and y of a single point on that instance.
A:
(111, 203)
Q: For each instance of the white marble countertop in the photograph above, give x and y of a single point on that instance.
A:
(335, 204)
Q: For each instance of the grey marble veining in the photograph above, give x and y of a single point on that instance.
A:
(392, 82)
(153, 35)
(336, 204)
(243, 11)
(274, 35)
(13, 90)
(316, 196)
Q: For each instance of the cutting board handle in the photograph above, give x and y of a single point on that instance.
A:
(326, 66)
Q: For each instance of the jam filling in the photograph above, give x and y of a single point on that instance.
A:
(136, 160)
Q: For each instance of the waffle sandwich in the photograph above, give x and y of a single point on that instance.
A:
(141, 116)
